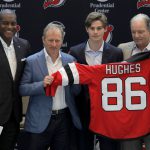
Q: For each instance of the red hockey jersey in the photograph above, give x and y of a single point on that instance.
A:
(119, 94)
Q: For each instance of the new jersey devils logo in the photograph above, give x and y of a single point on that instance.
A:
(53, 3)
(142, 3)
(108, 34)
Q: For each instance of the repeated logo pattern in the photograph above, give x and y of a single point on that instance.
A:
(53, 3)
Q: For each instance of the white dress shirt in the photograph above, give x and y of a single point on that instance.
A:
(11, 56)
(59, 98)
(93, 57)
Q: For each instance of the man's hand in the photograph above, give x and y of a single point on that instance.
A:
(48, 80)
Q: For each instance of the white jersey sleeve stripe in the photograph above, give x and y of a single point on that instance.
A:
(64, 76)
(74, 72)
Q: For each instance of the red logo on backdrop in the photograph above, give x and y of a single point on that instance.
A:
(108, 34)
(53, 3)
(143, 3)
(18, 28)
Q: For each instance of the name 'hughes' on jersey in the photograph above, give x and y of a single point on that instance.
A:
(123, 68)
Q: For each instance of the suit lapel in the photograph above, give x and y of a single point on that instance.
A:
(81, 52)
(63, 59)
(17, 48)
(65, 62)
(4, 61)
(106, 54)
(18, 53)
(42, 63)
(130, 48)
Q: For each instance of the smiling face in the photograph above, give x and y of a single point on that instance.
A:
(96, 31)
(8, 26)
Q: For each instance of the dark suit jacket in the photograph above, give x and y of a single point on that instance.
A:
(10, 100)
(110, 54)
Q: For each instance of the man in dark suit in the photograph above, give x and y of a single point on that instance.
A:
(48, 119)
(13, 50)
(94, 51)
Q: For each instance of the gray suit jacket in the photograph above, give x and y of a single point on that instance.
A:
(40, 106)
(127, 49)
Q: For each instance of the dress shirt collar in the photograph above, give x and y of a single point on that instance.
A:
(4, 43)
(88, 49)
(147, 48)
(48, 58)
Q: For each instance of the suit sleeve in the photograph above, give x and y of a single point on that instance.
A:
(29, 86)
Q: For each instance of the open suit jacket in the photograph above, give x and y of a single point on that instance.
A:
(10, 100)
(110, 54)
(127, 49)
(40, 106)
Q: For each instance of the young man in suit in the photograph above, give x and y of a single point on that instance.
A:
(48, 119)
(13, 50)
(140, 30)
(92, 52)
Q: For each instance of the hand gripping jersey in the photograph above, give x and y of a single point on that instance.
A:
(119, 94)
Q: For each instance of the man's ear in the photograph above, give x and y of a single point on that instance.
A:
(43, 39)
(105, 28)
(86, 29)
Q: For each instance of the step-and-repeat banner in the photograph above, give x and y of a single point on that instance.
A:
(34, 15)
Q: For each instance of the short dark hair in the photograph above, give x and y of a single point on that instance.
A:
(7, 11)
(94, 16)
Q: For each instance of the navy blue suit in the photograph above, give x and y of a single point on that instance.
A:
(110, 54)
